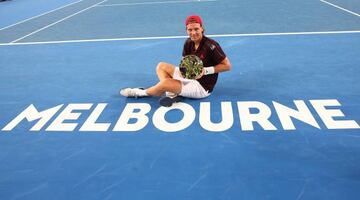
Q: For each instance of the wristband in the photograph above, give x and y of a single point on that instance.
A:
(209, 70)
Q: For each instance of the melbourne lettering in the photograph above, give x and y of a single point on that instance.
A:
(136, 116)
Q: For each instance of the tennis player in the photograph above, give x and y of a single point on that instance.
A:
(170, 79)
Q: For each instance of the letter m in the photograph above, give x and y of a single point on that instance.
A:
(31, 114)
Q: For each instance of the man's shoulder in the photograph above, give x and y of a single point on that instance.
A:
(211, 43)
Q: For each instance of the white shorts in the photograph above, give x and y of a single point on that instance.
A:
(190, 88)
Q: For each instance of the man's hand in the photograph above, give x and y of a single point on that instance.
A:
(201, 74)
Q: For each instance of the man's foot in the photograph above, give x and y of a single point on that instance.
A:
(168, 101)
(133, 92)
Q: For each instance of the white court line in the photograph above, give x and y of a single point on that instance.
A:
(341, 8)
(154, 2)
(181, 37)
(63, 19)
(39, 15)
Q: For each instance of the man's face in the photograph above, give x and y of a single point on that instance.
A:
(195, 31)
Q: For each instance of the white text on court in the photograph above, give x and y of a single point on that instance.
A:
(136, 116)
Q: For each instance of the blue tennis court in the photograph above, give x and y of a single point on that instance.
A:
(282, 124)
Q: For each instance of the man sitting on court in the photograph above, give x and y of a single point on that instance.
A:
(170, 78)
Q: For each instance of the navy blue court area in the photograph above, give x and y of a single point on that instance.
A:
(282, 124)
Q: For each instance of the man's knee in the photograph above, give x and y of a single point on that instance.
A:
(165, 67)
(161, 66)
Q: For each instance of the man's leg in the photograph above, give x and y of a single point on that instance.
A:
(166, 83)
(165, 70)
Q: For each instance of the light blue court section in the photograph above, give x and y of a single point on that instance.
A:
(12, 12)
(307, 163)
(350, 5)
(119, 19)
(45, 20)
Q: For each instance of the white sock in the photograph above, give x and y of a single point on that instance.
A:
(142, 92)
(170, 94)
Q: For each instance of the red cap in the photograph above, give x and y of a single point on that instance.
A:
(193, 19)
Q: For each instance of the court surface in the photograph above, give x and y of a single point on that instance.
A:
(282, 124)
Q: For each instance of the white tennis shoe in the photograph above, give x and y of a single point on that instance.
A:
(133, 92)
